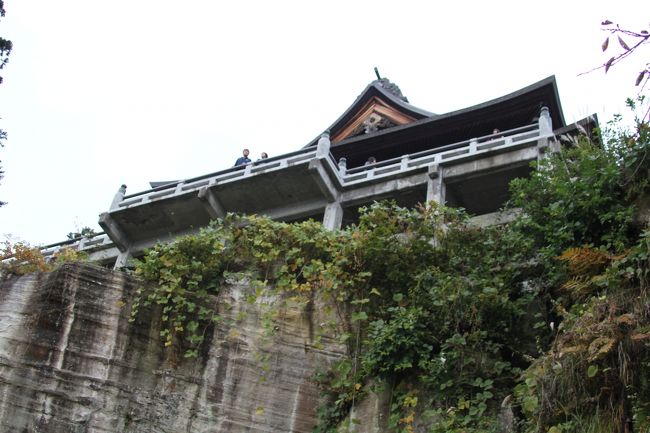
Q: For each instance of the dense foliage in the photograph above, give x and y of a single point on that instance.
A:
(545, 318)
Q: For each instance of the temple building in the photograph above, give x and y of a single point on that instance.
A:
(381, 147)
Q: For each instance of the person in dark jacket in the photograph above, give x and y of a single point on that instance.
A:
(243, 160)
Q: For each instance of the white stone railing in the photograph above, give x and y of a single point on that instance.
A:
(97, 241)
(464, 149)
(475, 147)
(224, 176)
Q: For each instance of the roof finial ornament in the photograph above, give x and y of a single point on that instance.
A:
(388, 86)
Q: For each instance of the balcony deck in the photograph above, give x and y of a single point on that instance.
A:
(308, 183)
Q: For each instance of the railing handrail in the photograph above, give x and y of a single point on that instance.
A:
(72, 241)
(260, 162)
(441, 149)
(355, 175)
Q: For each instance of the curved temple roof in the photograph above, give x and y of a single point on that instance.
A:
(382, 98)
(402, 128)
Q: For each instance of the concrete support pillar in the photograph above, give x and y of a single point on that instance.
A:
(343, 166)
(323, 147)
(435, 185)
(333, 216)
(122, 260)
(119, 196)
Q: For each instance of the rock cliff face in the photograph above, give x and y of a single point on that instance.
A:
(70, 361)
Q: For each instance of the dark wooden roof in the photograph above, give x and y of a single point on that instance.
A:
(433, 130)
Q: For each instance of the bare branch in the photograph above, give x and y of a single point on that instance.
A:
(639, 38)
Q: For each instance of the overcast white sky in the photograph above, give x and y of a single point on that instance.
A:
(99, 93)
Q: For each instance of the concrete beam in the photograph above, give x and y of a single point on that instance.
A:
(103, 255)
(114, 231)
(322, 179)
(493, 163)
(294, 211)
(211, 203)
(386, 188)
(495, 218)
(139, 247)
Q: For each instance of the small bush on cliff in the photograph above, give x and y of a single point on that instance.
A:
(20, 258)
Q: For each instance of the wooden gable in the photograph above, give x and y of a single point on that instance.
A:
(374, 115)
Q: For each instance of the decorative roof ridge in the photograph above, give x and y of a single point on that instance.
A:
(391, 88)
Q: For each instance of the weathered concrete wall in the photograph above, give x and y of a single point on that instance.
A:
(71, 362)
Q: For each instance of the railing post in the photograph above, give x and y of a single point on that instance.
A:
(546, 141)
(545, 122)
(403, 164)
(119, 196)
(343, 166)
(473, 143)
(323, 147)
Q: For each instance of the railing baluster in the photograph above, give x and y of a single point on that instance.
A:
(404, 163)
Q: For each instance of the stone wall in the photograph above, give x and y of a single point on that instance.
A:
(70, 361)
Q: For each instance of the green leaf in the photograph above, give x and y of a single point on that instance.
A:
(592, 370)
(360, 301)
(360, 316)
(529, 404)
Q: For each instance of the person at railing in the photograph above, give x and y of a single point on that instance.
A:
(264, 155)
(243, 160)
(371, 160)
